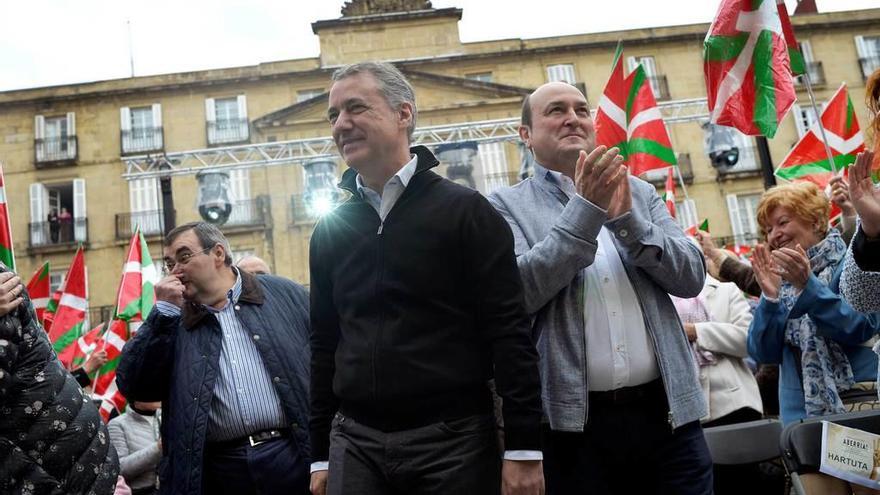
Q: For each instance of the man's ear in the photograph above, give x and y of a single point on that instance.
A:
(406, 114)
(526, 135)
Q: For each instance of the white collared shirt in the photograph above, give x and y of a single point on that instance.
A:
(620, 352)
(392, 190)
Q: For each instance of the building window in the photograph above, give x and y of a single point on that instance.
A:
(227, 120)
(742, 209)
(245, 211)
(658, 83)
(141, 128)
(55, 138)
(868, 48)
(804, 118)
(58, 213)
(308, 94)
(146, 211)
(480, 76)
(56, 280)
(686, 213)
(492, 160)
(811, 67)
(561, 72)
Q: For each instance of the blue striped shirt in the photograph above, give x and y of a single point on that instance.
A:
(245, 401)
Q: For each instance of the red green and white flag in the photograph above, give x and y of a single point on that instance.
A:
(104, 386)
(85, 344)
(7, 254)
(692, 230)
(52, 307)
(742, 251)
(68, 322)
(808, 160)
(628, 118)
(796, 59)
(38, 289)
(136, 296)
(747, 67)
(669, 193)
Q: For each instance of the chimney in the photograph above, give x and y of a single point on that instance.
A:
(806, 7)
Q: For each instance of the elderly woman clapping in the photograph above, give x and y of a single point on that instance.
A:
(801, 322)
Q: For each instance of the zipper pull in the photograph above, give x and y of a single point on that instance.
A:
(381, 224)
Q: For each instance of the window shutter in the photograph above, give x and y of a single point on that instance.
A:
(650, 66)
(631, 63)
(79, 210)
(861, 47)
(39, 212)
(211, 120)
(71, 134)
(806, 51)
(242, 114)
(157, 126)
(125, 128)
(39, 134)
(735, 223)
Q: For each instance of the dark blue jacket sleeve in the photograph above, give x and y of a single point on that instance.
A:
(147, 361)
(833, 316)
(767, 332)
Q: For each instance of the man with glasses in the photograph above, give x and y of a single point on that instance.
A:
(227, 354)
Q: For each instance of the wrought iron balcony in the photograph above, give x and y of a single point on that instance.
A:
(657, 177)
(228, 131)
(61, 233)
(54, 150)
(142, 140)
(249, 212)
(869, 65)
(98, 315)
(151, 223)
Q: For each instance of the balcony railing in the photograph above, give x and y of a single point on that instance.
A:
(43, 234)
(659, 86)
(869, 65)
(748, 238)
(142, 140)
(248, 212)
(58, 149)
(816, 72)
(150, 222)
(227, 131)
(99, 314)
(657, 177)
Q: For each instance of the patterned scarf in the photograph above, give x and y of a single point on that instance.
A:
(825, 368)
(694, 310)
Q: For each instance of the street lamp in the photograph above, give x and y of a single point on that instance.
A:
(720, 146)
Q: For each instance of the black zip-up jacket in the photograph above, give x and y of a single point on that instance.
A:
(411, 320)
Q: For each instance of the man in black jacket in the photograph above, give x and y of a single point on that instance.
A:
(416, 304)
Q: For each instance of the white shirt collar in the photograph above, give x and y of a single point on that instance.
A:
(405, 174)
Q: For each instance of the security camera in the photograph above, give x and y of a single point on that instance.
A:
(214, 203)
(720, 146)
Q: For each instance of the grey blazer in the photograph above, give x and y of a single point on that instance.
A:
(555, 239)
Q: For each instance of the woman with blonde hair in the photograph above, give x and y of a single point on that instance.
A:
(801, 322)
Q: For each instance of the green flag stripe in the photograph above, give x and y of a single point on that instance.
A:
(723, 48)
(818, 167)
(637, 82)
(850, 114)
(131, 309)
(6, 257)
(651, 147)
(798, 64)
(765, 87)
(110, 366)
(622, 146)
(67, 338)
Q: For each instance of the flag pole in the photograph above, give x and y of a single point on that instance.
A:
(681, 181)
(809, 85)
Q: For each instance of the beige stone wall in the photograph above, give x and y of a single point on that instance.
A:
(273, 86)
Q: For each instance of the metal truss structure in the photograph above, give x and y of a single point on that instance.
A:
(299, 151)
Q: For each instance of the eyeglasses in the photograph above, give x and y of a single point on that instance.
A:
(183, 259)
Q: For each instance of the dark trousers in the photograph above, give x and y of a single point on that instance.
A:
(273, 467)
(459, 457)
(628, 448)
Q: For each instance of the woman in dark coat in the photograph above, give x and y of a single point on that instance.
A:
(52, 440)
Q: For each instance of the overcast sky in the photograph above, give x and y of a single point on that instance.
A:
(52, 42)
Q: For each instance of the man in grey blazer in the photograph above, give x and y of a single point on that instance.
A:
(599, 255)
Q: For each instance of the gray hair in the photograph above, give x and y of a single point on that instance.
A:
(392, 83)
(207, 234)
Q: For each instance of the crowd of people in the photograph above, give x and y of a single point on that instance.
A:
(556, 337)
